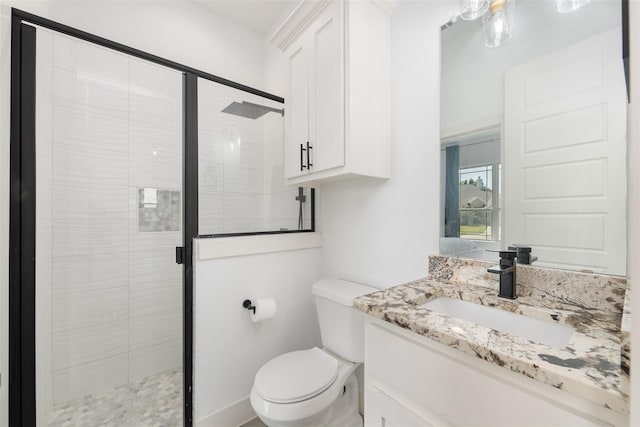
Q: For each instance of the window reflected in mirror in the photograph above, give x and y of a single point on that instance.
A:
(472, 170)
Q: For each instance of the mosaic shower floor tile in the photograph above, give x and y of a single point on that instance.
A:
(155, 401)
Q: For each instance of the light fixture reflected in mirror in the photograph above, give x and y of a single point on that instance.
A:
(565, 6)
(496, 16)
(496, 25)
(473, 9)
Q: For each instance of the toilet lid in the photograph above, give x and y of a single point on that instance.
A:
(296, 376)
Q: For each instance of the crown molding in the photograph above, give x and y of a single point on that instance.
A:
(297, 21)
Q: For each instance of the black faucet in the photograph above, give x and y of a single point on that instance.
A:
(507, 271)
(524, 254)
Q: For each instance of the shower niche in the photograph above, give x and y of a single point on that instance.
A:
(159, 210)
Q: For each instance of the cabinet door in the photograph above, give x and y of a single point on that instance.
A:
(326, 125)
(383, 411)
(297, 109)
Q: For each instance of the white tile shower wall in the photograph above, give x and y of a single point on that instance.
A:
(44, 237)
(280, 208)
(90, 378)
(74, 347)
(228, 347)
(90, 154)
(77, 310)
(155, 161)
(108, 125)
(161, 357)
(153, 155)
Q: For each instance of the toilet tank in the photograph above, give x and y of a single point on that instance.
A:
(341, 325)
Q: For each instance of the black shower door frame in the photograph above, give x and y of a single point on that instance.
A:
(22, 228)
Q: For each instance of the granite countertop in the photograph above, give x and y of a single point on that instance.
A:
(592, 366)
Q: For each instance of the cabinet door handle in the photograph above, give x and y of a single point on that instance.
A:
(309, 148)
(302, 165)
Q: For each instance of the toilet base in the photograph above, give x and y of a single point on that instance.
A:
(345, 409)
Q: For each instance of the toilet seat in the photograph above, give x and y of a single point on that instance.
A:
(304, 412)
(296, 376)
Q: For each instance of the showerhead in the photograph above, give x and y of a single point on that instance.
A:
(250, 110)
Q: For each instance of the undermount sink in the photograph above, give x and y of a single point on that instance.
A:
(551, 334)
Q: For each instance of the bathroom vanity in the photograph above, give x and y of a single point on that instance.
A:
(431, 359)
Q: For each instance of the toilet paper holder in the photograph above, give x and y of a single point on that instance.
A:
(249, 305)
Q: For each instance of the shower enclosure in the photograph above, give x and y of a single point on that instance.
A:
(119, 159)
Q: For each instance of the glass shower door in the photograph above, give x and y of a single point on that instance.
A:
(109, 214)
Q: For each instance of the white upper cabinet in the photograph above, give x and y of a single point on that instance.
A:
(337, 109)
(297, 109)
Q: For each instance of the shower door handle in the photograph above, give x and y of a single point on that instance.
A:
(179, 254)
(302, 165)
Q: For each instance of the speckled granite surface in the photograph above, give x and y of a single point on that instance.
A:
(625, 345)
(589, 367)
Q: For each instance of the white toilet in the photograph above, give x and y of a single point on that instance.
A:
(317, 387)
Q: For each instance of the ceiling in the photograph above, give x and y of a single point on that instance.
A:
(258, 16)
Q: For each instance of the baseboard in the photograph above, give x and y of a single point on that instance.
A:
(234, 414)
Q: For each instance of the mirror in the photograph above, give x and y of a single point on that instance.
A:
(533, 137)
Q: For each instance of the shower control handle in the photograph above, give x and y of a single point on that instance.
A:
(302, 165)
(309, 148)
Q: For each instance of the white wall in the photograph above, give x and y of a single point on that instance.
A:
(380, 233)
(228, 347)
(180, 31)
